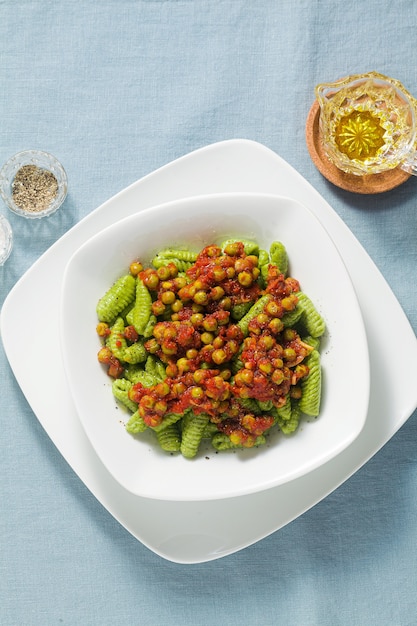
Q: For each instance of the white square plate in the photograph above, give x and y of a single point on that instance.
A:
(195, 532)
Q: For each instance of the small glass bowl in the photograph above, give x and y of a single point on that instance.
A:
(6, 240)
(42, 160)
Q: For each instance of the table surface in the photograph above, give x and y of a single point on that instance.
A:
(116, 89)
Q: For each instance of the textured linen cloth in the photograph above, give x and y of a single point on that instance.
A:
(115, 89)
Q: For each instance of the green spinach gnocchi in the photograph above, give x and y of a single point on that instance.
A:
(220, 345)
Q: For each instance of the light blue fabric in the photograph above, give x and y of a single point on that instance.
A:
(115, 89)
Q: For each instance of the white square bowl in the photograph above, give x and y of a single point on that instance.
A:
(135, 462)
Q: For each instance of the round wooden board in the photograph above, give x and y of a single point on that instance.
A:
(373, 183)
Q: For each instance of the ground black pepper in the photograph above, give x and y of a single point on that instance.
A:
(34, 188)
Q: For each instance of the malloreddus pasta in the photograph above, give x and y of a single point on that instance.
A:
(222, 344)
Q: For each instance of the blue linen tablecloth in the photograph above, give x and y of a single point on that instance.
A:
(116, 89)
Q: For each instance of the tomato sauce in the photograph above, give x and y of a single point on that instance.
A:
(211, 366)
